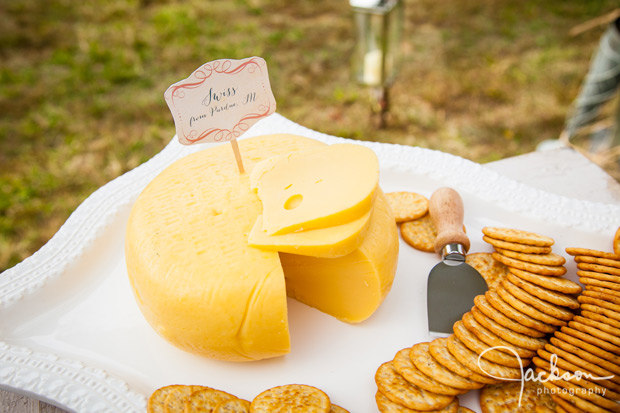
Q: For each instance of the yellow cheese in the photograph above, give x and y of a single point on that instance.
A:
(330, 242)
(201, 285)
(195, 278)
(351, 287)
(319, 188)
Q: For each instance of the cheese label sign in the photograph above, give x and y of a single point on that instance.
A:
(220, 100)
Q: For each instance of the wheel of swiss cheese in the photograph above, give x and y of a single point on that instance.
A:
(203, 288)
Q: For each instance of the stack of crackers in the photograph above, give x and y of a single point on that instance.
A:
(582, 361)
(178, 398)
(528, 299)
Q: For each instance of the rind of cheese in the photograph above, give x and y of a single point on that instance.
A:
(330, 242)
(195, 278)
(319, 188)
(352, 287)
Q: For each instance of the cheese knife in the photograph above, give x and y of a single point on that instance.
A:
(452, 284)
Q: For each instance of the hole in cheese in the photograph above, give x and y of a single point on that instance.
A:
(293, 202)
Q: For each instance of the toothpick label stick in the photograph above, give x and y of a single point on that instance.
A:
(221, 100)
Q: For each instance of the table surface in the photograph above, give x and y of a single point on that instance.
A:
(562, 171)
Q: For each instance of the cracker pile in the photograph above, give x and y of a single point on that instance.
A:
(528, 298)
(410, 211)
(590, 343)
(178, 398)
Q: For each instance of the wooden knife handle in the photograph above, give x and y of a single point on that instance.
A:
(446, 209)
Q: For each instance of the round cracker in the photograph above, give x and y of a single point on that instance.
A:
(544, 294)
(511, 312)
(521, 344)
(599, 325)
(558, 408)
(482, 349)
(577, 379)
(610, 317)
(549, 282)
(596, 260)
(594, 342)
(463, 409)
(587, 351)
(600, 318)
(611, 298)
(613, 309)
(603, 290)
(481, 366)
(290, 398)
(600, 283)
(585, 365)
(513, 246)
(483, 306)
(233, 406)
(337, 409)
(551, 258)
(491, 270)
(421, 357)
(405, 367)
(587, 328)
(175, 400)
(592, 253)
(603, 269)
(509, 397)
(439, 351)
(616, 242)
(566, 343)
(400, 391)
(526, 307)
(157, 401)
(564, 406)
(407, 206)
(385, 405)
(578, 392)
(541, 305)
(205, 400)
(610, 278)
(471, 321)
(420, 233)
(562, 363)
(518, 236)
(528, 266)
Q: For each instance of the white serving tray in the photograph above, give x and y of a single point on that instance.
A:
(72, 335)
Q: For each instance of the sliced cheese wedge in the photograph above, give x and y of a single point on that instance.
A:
(319, 188)
(195, 278)
(330, 242)
(352, 287)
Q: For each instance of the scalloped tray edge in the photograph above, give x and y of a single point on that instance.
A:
(75, 385)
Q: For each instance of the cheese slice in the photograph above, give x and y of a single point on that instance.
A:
(318, 188)
(330, 242)
(352, 287)
(195, 278)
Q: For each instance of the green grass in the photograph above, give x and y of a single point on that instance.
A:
(81, 84)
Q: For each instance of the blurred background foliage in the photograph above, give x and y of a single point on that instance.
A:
(82, 82)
